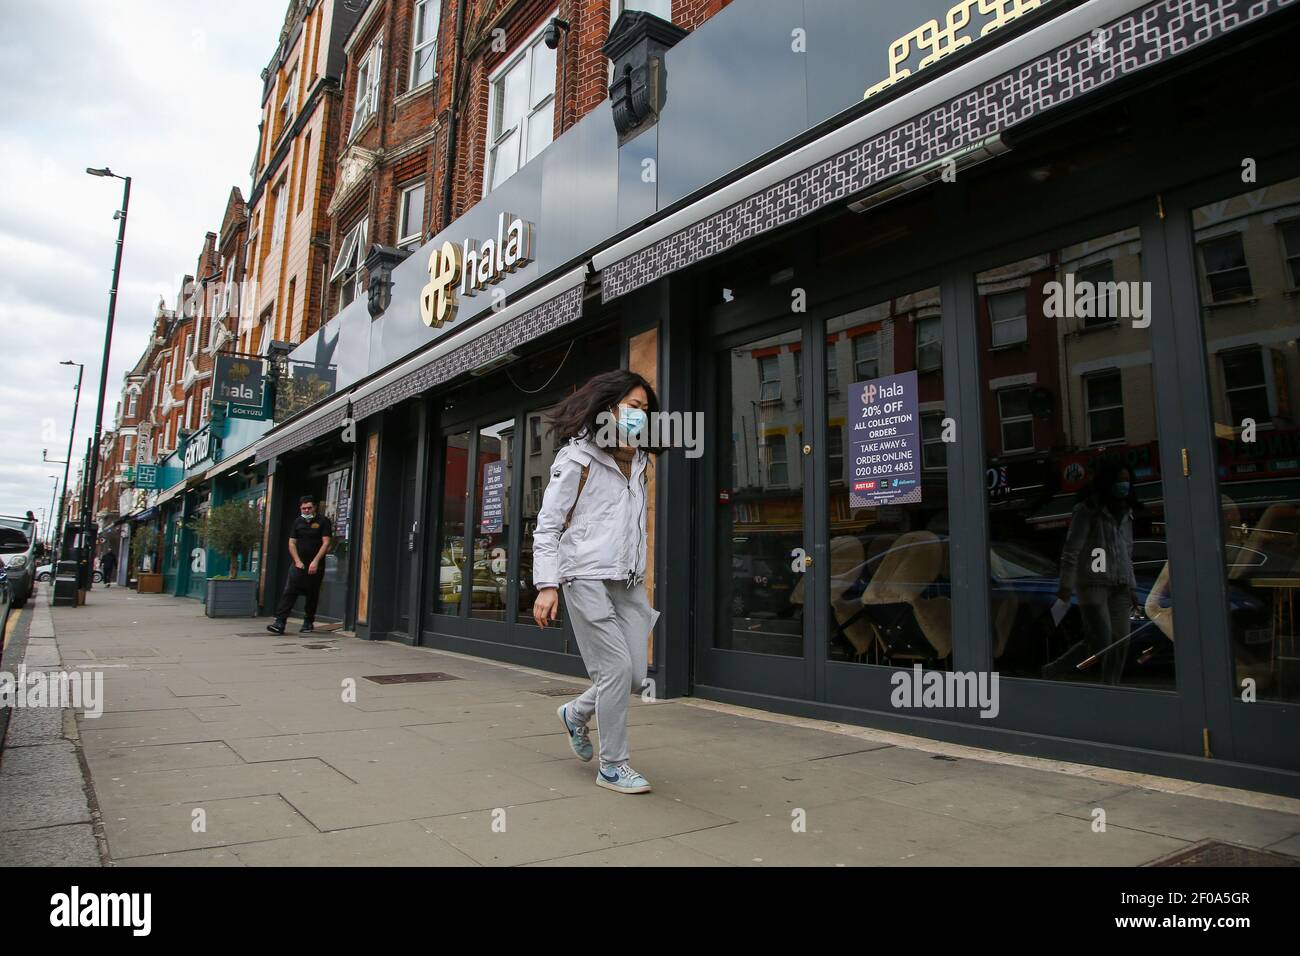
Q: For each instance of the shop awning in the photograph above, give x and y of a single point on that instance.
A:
(555, 304)
(227, 465)
(958, 115)
(309, 425)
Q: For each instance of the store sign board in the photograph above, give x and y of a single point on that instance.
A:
(200, 448)
(492, 519)
(885, 438)
(240, 382)
(471, 267)
(146, 476)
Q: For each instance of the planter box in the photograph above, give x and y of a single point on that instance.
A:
(148, 583)
(227, 598)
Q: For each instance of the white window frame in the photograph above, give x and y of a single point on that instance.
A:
(1267, 384)
(417, 45)
(365, 102)
(289, 102)
(928, 443)
(1088, 407)
(280, 196)
(769, 443)
(616, 7)
(1022, 319)
(131, 399)
(859, 360)
(403, 236)
(352, 256)
(1287, 254)
(763, 397)
(523, 54)
(225, 292)
(1244, 267)
(926, 321)
(1004, 421)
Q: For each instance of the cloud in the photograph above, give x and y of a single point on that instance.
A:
(167, 93)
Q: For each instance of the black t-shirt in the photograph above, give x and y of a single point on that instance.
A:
(308, 535)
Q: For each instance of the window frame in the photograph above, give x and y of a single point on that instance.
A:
(412, 81)
(1022, 318)
(1207, 275)
(371, 63)
(927, 321)
(874, 337)
(1088, 408)
(404, 237)
(1004, 421)
(351, 250)
(763, 398)
(523, 55)
(281, 212)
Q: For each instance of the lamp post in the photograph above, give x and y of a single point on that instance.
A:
(63, 499)
(92, 465)
(49, 525)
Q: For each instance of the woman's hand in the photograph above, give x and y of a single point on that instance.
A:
(547, 606)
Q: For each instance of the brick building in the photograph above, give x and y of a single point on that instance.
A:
(293, 176)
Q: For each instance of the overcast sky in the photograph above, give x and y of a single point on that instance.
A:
(166, 91)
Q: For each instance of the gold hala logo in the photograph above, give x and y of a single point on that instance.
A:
(438, 301)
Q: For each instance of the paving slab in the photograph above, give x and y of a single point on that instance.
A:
(71, 845)
(149, 830)
(1192, 818)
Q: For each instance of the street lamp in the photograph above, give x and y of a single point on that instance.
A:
(87, 505)
(63, 499)
(53, 491)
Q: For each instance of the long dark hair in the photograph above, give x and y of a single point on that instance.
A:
(576, 416)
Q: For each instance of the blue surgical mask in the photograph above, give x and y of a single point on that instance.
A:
(1121, 489)
(631, 422)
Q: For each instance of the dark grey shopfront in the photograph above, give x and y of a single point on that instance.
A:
(1176, 187)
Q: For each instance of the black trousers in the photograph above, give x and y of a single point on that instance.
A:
(300, 582)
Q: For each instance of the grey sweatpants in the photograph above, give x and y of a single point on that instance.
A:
(612, 623)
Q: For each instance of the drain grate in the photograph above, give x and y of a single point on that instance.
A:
(557, 691)
(410, 678)
(318, 647)
(1214, 853)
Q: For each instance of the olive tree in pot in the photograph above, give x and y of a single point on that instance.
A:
(232, 529)
(144, 548)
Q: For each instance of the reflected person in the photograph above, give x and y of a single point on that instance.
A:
(1097, 566)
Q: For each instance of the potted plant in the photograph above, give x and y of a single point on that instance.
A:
(232, 529)
(144, 545)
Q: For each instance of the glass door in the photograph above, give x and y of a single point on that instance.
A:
(756, 496)
(1238, 251)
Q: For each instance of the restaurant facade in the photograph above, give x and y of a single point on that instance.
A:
(923, 280)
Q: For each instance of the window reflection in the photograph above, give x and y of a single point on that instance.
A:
(451, 547)
(1248, 260)
(760, 517)
(891, 595)
(492, 483)
(542, 446)
(1080, 572)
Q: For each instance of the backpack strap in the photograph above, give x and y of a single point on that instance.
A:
(582, 480)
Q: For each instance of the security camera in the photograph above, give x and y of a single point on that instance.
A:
(552, 35)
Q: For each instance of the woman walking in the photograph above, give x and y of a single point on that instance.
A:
(590, 539)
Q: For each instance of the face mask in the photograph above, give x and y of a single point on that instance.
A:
(309, 515)
(1121, 489)
(631, 422)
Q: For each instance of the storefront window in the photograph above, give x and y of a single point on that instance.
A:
(493, 474)
(451, 546)
(891, 600)
(761, 533)
(336, 504)
(1081, 586)
(542, 447)
(1250, 314)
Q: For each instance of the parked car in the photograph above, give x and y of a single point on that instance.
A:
(4, 599)
(18, 553)
(46, 573)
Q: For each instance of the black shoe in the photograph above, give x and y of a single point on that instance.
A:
(276, 628)
(307, 629)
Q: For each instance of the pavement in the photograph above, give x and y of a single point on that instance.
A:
(223, 745)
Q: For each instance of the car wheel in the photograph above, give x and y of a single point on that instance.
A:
(43, 576)
(97, 578)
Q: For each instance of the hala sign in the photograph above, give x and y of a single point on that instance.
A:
(472, 266)
(239, 382)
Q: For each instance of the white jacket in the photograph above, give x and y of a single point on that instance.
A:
(606, 538)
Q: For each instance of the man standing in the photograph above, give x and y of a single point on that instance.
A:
(108, 567)
(309, 542)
